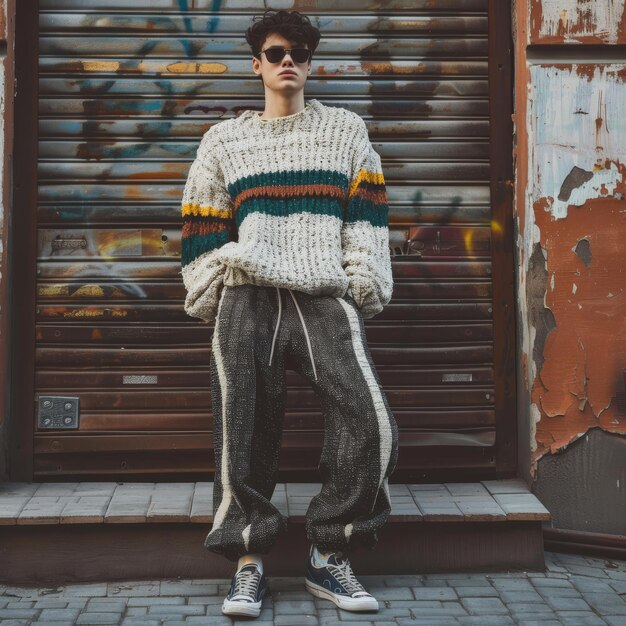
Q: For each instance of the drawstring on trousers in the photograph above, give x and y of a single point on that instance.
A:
(306, 334)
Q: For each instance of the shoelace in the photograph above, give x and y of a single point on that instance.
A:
(346, 577)
(246, 583)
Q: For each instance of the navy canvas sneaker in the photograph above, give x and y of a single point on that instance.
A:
(247, 589)
(336, 581)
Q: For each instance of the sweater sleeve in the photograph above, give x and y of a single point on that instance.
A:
(207, 224)
(365, 230)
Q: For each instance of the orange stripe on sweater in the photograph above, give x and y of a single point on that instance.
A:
(289, 191)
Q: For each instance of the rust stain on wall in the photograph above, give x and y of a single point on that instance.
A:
(577, 21)
(585, 353)
(572, 228)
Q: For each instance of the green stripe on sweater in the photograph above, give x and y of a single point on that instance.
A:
(285, 178)
(195, 245)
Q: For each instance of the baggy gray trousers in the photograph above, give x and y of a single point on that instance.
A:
(259, 330)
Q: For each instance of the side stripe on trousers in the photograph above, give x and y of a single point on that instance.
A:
(377, 399)
(227, 491)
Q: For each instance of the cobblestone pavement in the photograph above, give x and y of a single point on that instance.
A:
(573, 591)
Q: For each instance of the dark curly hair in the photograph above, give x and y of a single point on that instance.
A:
(290, 24)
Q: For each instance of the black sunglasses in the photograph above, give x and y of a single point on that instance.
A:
(277, 54)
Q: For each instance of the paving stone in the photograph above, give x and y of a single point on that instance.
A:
(550, 582)
(618, 586)
(10, 509)
(615, 620)
(560, 603)
(520, 596)
(534, 616)
(434, 593)
(97, 605)
(296, 620)
(77, 603)
(134, 611)
(392, 593)
(20, 604)
(18, 613)
(608, 603)
(484, 606)
(15, 592)
(209, 599)
(328, 613)
(174, 588)
(527, 607)
(151, 601)
(522, 506)
(580, 618)
(303, 607)
(584, 584)
(586, 570)
(293, 595)
(50, 603)
(98, 618)
(407, 580)
(559, 592)
(176, 609)
(485, 620)
(393, 610)
(476, 592)
(448, 609)
(356, 623)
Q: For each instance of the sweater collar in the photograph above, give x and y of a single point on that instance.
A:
(300, 119)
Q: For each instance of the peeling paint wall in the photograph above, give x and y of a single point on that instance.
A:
(578, 21)
(571, 228)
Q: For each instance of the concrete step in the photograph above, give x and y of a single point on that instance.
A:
(51, 532)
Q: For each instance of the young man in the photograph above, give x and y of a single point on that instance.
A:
(285, 248)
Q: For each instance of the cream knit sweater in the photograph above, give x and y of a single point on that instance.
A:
(297, 201)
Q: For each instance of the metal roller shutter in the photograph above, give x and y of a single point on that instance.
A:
(126, 89)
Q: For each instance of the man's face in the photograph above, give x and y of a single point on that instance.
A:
(273, 74)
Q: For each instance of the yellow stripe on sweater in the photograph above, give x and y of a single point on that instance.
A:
(368, 176)
(205, 211)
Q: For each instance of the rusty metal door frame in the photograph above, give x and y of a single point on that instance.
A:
(502, 233)
(22, 275)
